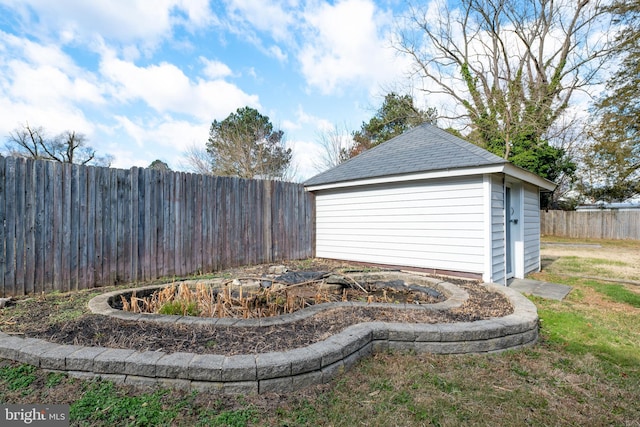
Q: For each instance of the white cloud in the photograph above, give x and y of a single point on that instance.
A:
(305, 119)
(163, 138)
(42, 85)
(348, 43)
(164, 132)
(263, 15)
(305, 157)
(125, 21)
(215, 69)
(166, 88)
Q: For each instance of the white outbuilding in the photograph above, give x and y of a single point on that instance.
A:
(429, 200)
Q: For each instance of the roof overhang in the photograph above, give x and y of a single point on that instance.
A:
(506, 168)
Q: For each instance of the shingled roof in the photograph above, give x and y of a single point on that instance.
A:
(425, 148)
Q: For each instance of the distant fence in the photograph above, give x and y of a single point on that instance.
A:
(604, 224)
(66, 227)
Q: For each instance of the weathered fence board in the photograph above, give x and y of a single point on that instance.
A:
(68, 227)
(601, 224)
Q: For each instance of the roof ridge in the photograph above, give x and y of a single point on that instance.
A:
(422, 148)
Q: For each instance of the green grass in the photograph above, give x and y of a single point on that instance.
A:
(102, 404)
(180, 308)
(18, 377)
(617, 293)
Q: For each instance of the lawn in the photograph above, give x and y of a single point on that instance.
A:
(585, 371)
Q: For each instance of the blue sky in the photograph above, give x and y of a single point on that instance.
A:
(145, 79)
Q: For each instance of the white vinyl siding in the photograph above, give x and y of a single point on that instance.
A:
(432, 224)
(497, 230)
(531, 229)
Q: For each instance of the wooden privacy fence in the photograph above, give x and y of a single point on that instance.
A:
(604, 224)
(67, 227)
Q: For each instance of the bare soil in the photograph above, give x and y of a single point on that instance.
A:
(64, 319)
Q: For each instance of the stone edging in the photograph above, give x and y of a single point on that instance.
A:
(280, 371)
(456, 296)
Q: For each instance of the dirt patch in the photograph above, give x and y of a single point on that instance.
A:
(623, 257)
(45, 320)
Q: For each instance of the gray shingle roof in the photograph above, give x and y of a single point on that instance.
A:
(422, 149)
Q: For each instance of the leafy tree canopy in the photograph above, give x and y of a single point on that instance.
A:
(396, 115)
(245, 144)
(159, 165)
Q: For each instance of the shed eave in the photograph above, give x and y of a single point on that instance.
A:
(506, 168)
(442, 173)
(530, 177)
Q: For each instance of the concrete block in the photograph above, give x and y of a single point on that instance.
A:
(206, 367)
(239, 368)
(161, 318)
(123, 315)
(332, 371)
(514, 324)
(350, 361)
(273, 365)
(81, 375)
(142, 363)
(358, 336)
(402, 346)
(428, 333)
(304, 359)
(240, 387)
(174, 365)
(31, 353)
(202, 321)
(381, 346)
(275, 385)
(248, 323)
(366, 351)
(330, 350)
(426, 346)
(140, 381)
(226, 321)
(82, 360)
(458, 331)
(402, 332)
(114, 378)
(10, 345)
(172, 383)
(207, 386)
(379, 330)
(305, 380)
(56, 358)
(111, 361)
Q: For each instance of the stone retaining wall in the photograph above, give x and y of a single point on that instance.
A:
(280, 371)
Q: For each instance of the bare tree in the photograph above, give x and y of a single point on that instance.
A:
(513, 66)
(336, 143)
(67, 147)
(197, 160)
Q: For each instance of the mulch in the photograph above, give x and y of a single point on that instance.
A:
(96, 330)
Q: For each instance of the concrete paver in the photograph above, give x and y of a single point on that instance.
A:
(546, 290)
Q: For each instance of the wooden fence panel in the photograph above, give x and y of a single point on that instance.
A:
(68, 227)
(20, 227)
(83, 214)
(601, 224)
(3, 221)
(10, 228)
